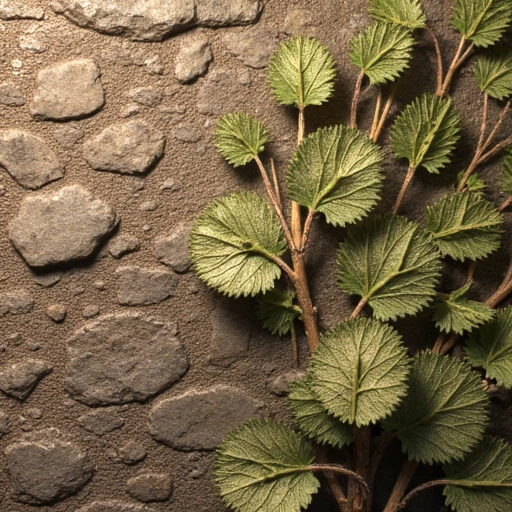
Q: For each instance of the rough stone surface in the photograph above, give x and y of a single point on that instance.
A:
(45, 466)
(123, 358)
(20, 379)
(10, 95)
(172, 249)
(132, 453)
(123, 244)
(5, 424)
(149, 487)
(68, 136)
(300, 21)
(253, 47)
(69, 90)
(59, 228)
(215, 13)
(16, 302)
(280, 385)
(90, 311)
(137, 286)
(100, 421)
(128, 148)
(147, 96)
(19, 10)
(199, 420)
(114, 506)
(47, 279)
(32, 45)
(193, 60)
(57, 312)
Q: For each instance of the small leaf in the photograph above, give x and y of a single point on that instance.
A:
(483, 480)
(232, 244)
(240, 138)
(407, 13)
(313, 419)
(336, 171)
(493, 72)
(491, 348)
(483, 22)
(445, 412)
(506, 172)
(359, 371)
(301, 72)
(426, 132)
(278, 310)
(474, 183)
(391, 263)
(382, 51)
(465, 226)
(263, 467)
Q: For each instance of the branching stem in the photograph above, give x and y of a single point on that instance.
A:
(337, 468)
(439, 60)
(277, 191)
(385, 112)
(332, 480)
(420, 488)
(405, 186)
(456, 63)
(401, 484)
(376, 114)
(355, 100)
(503, 291)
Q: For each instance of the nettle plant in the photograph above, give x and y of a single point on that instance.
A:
(362, 389)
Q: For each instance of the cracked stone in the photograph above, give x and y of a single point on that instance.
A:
(100, 421)
(18, 10)
(193, 60)
(172, 250)
(131, 453)
(16, 302)
(253, 47)
(150, 487)
(123, 244)
(10, 95)
(57, 312)
(20, 379)
(147, 96)
(113, 506)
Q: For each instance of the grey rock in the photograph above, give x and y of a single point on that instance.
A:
(149, 487)
(148, 206)
(147, 96)
(132, 453)
(48, 279)
(172, 249)
(113, 506)
(168, 184)
(10, 95)
(137, 286)
(28, 159)
(154, 65)
(59, 228)
(280, 385)
(217, 13)
(34, 413)
(45, 466)
(16, 302)
(20, 379)
(193, 60)
(128, 148)
(123, 244)
(187, 133)
(253, 47)
(199, 420)
(99, 285)
(109, 365)
(131, 110)
(57, 312)
(5, 424)
(68, 136)
(91, 311)
(299, 21)
(18, 9)
(32, 45)
(100, 421)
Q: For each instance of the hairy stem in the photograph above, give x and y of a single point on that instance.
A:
(360, 305)
(455, 64)
(296, 220)
(336, 468)
(405, 186)
(307, 229)
(403, 481)
(420, 488)
(355, 100)
(277, 191)
(332, 480)
(385, 112)
(376, 114)
(439, 60)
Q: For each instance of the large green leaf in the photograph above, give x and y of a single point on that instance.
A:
(337, 171)
(391, 263)
(493, 72)
(382, 51)
(426, 132)
(465, 226)
(445, 412)
(301, 72)
(278, 310)
(483, 480)
(313, 419)
(359, 371)
(491, 348)
(232, 244)
(483, 22)
(506, 172)
(263, 467)
(407, 13)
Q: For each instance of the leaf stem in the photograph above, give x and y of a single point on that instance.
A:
(383, 442)
(385, 112)
(505, 204)
(360, 305)
(294, 347)
(276, 184)
(296, 218)
(401, 484)
(420, 488)
(307, 229)
(362, 444)
(407, 181)
(342, 470)
(455, 64)
(334, 484)
(439, 60)
(448, 344)
(439, 342)
(376, 114)
(503, 291)
(355, 100)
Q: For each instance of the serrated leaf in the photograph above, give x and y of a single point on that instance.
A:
(506, 172)
(337, 171)
(278, 310)
(490, 347)
(445, 412)
(313, 419)
(240, 138)
(359, 371)
(391, 263)
(474, 183)
(232, 244)
(382, 51)
(493, 72)
(483, 22)
(426, 132)
(483, 480)
(406, 13)
(302, 72)
(263, 467)
(464, 226)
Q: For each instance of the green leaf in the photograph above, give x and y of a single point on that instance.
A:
(491, 348)
(313, 419)
(483, 480)
(240, 138)
(382, 51)
(474, 183)
(426, 132)
(337, 171)
(493, 72)
(445, 412)
(506, 172)
(232, 244)
(278, 310)
(407, 13)
(483, 22)
(359, 371)
(302, 72)
(465, 226)
(263, 467)
(457, 314)
(391, 263)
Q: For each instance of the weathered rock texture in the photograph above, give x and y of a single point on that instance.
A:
(19, 379)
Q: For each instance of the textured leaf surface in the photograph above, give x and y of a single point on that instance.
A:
(407, 13)
(313, 419)
(278, 310)
(491, 348)
(359, 371)
(336, 171)
(506, 172)
(445, 412)
(262, 467)
(382, 51)
(232, 242)
(390, 262)
(493, 72)
(301, 72)
(483, 480)
(240, 138)
(465, 226)
(483, 22)
(426, 132)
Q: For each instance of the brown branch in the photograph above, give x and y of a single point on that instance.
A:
(307, 229)
(296, 219)
(407, 181)
(360, 305)
(503, 291)
(456, 62)
(439, 59)
(403, 481)
(334, 484)
(276, 183)
(355, 100)
(420, 488)
(336, 468)
(376, 114)
(385, 112)
(505, 204)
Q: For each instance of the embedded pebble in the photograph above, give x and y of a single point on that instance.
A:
(99, 285)
(48, 279)
(300, 21)
(91, 311)
(187, 133)
(193, 60)
(172, 250)
(150, 487)
(132, 453)
(19, 10)
(253, 47)
(100, 421)
(123, 244)
(154, 65)
(32, 45)
(57, 312)
(34, 413)
(68, 136)
(168, 184)
(147, 96)
(148, 206)
(113, 506)
(280, 385)
(133, 109)
(16, 302)
(10, 95)
(20, 379)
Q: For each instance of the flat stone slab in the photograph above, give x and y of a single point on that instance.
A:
(148, 487)
(114, 506)
(20, 379)
(193, 60)
(10, 95)
(18, 10)
(172, 249)
(16, 302)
